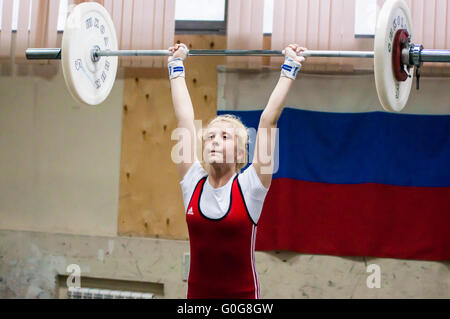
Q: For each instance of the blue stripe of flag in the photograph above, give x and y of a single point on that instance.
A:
(358, 148)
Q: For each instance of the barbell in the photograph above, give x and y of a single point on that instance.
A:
(89, 54)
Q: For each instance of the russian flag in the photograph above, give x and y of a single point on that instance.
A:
(358, 183)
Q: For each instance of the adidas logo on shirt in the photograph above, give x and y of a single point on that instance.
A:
(190, 211)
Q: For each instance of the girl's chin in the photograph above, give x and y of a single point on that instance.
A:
(213, 159)
(218, 163)
(216, 160)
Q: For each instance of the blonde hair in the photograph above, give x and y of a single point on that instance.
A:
(241, 132)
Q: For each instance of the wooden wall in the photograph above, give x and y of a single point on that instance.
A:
(150, 198)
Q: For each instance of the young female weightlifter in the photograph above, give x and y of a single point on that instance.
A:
(222, 205)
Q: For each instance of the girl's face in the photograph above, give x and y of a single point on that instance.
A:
(220, 144)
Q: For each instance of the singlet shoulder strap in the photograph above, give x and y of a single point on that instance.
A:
(197, 187)
(243, 200)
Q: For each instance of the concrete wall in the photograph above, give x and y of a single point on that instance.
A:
(30, 263)
(59, 160)
(59, 167)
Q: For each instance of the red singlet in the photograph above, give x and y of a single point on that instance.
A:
(222, 251)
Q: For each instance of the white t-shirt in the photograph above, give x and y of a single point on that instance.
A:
(215, 202)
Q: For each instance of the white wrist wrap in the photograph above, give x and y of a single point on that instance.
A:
(290, 68)
(176, 68)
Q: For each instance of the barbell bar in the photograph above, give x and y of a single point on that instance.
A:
(424, 55)
(90, 54)
(55, 54)
(435, 55)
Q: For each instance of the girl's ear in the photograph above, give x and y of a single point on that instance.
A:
(240, 156)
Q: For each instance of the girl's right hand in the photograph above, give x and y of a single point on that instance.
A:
(179, 51)
(292, 51)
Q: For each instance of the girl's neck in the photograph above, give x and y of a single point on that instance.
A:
(219, 176)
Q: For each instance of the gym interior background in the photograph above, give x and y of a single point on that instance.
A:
(96, 187)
